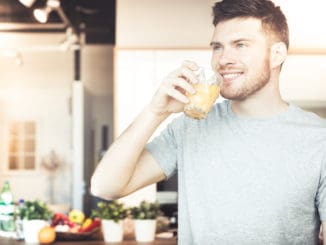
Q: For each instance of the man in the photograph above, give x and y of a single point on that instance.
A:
(252, 172)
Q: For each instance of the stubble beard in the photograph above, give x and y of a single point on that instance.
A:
(249, 87)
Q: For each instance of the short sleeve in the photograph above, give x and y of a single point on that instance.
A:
(321, 192)
(164, 150)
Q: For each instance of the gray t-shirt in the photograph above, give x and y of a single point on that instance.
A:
(247, 181)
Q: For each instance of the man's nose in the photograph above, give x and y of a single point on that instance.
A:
(226, 57)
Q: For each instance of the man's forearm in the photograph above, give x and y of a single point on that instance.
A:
(118, 164)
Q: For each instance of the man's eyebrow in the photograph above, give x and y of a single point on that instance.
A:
(241, 40)
(214, 43)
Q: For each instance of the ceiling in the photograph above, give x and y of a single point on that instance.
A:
(96, 18)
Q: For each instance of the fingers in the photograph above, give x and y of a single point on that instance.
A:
(175, 88)
(179, 81)
(190, 64)
(187, 71)
(182, 84)
(176, 94)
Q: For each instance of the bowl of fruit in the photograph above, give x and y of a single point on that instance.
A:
(76, 227)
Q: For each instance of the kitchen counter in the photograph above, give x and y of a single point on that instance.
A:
(170, 241)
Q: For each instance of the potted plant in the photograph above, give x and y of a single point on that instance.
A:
(34, 216)
(112, 215)
(145, 216)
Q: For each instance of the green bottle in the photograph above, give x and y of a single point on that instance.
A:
(7, 208)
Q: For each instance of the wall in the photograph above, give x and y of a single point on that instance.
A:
(188, 23)
(38, 87)
(97, 77)
(182, 24)
(42, 82)
(163, 23)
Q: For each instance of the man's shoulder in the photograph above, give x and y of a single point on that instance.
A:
(308, 126)
(307, 117)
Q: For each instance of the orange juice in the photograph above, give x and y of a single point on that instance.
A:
(201, 102)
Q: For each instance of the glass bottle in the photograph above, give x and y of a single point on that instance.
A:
(19, 221)
(7, 222)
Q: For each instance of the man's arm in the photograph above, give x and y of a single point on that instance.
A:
(127, 166)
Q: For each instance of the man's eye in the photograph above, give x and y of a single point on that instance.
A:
(216, 47)
(241, 45)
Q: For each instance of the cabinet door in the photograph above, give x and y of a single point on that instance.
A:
(134, 76)
(134, 82)
(139, 73)
(303, 79)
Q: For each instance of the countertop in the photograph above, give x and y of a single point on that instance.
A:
(170, 241)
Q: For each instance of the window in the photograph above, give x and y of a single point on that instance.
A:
(22, 142)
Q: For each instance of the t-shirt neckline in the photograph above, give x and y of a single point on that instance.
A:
(277, 117)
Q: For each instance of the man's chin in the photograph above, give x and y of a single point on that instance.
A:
(231, 96)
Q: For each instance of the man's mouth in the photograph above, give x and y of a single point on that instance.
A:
(229, 77)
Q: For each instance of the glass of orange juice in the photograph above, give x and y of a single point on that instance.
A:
(207, 91)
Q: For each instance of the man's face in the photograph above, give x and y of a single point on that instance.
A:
(241, 56)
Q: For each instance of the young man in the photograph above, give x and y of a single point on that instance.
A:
(252, 172)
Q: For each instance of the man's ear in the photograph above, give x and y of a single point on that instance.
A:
(278, 54)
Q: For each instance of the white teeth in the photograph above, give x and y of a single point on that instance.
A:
(231, 75)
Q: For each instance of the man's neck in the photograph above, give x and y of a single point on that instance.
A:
(264, 104)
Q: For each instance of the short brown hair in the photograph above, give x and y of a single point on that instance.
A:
(272, 18)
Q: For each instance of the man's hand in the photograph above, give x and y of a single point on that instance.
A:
(322, 234)
(170, 96)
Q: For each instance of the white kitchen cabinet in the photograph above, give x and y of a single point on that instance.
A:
(138, 72)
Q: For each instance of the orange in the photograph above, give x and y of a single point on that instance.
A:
(46, 235)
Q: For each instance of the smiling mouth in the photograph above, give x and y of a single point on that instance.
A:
(229, 77)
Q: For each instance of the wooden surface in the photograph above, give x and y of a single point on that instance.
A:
(173, 241)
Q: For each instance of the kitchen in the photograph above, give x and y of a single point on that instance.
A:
(34, 66)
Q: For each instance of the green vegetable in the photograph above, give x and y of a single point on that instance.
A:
(34, 210)
(146, 210)
(110, 210)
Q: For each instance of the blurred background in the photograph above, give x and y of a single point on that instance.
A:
(74, 73)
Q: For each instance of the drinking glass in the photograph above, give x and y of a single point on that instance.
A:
(207, 91)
